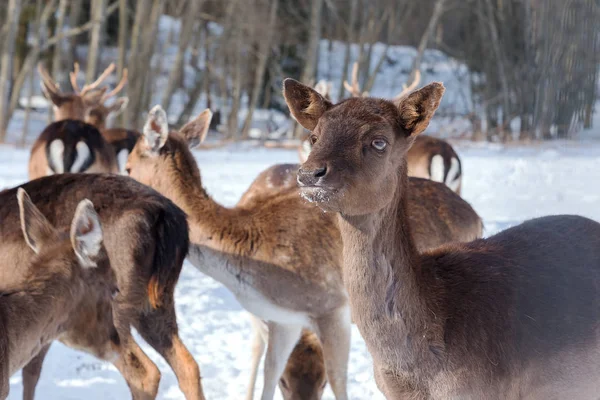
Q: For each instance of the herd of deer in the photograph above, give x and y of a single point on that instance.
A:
(86, 254)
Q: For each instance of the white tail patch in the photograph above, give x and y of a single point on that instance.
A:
(122, 160)
(83, 154)
(57, 151)
(454, 175)
(436, 169)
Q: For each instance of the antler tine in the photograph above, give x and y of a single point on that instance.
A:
(73, 78)
(94, 85)
(48, 81)
(117, 88)
(407, 89)
(354, 88)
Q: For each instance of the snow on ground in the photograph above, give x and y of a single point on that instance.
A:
(504, 184)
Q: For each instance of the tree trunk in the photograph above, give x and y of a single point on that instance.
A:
(259, 73)
(123, 25)
(349, 42)
(36, 29)
(62, 79)
(185, 36)
(438, 10)
(12, 18)
(97, 15)
(310, 62)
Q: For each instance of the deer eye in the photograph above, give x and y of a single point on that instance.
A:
(312, 139)
(284, 384)
(379, 144)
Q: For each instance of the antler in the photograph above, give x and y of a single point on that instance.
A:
(354, 88)
(407, 89)
(117, 88)
(91, 86)
(48, 81)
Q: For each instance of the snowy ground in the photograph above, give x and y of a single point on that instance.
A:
(505, 185)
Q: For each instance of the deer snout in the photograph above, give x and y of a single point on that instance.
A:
(311, 176)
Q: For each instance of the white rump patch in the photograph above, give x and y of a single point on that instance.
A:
(83, 154)
(122, 160)
(57, 150)
(436, 170)
(454, 175)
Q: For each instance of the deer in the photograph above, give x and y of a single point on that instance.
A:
(256, 252)
(120, 139)
(69, 144)
(511, 316)
(146, 239)
(56, 279)
(428, 158)
(433, 209)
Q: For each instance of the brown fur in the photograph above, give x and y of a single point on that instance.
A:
(146, 239)
(38, 303)
(437, 216)
(512, 316)
(280, 240)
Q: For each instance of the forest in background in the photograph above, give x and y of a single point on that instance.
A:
(532, 64)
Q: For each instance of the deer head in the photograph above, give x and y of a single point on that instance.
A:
(156, 148)
(69, 105)
(359, 145)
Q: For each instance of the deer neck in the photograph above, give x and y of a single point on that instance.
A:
(382, 276)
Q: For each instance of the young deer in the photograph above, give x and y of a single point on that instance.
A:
(69, 144)
(512, 316)
(61, 269)
(146, 239)
(279, 260)
(428, 158)
(437, 216)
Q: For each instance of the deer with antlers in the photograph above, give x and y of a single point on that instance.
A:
(146, 240)
(69, 144)
(428, 158)
(120, 139)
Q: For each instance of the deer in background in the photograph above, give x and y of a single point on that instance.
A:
(69, 144)
(146, 240)
(512, 316)
(262, 250)
(62, 268)
(428, 158)
(120, 139)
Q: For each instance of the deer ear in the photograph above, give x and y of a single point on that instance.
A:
(92, 98)
(195, 131)
(305, 103)
(119, 105)
(418, 107)
(156, 129)
(86, 234)
(36, 228)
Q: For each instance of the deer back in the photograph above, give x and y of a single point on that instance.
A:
(70, 146)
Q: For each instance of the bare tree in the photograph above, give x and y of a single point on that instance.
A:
(12, 17)
(97, 12)
(185, 36)
(262, 57)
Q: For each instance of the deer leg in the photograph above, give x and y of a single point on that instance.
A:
(282, 339)
(31, 373)
(159, 328)
(334, 332)
(140, 373)
(258, 349)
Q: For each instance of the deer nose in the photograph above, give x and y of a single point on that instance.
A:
(311, 177)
